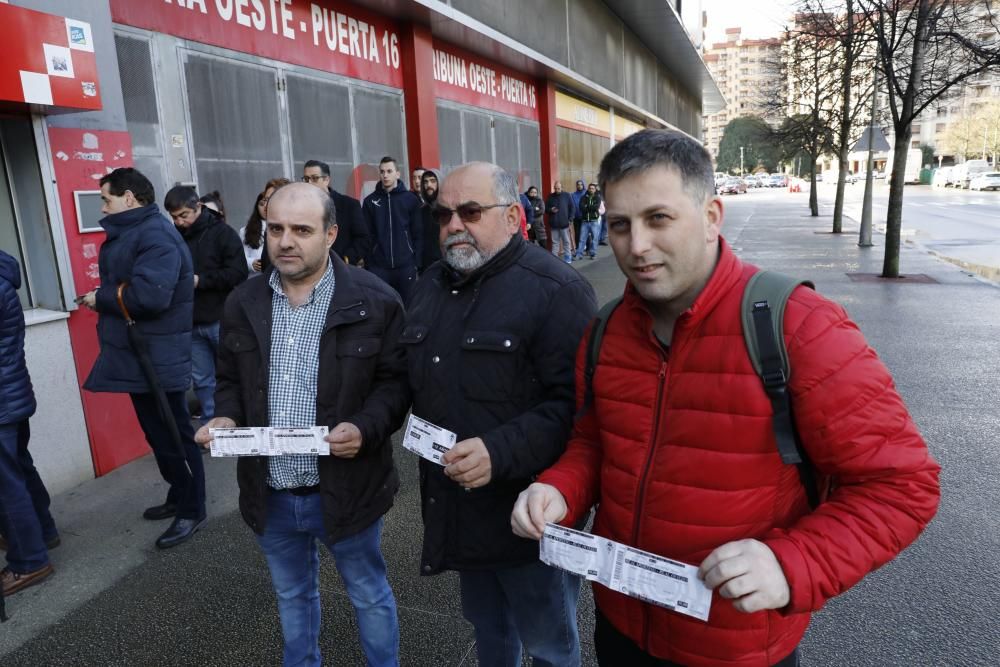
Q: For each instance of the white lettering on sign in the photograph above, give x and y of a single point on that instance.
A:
(337, 31)
(585, 115)
(455, 71)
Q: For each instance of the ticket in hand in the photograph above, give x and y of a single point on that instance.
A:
(268, 441)
(636, 573)
(427, 440)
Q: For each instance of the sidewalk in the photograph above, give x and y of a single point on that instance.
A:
(116, 600)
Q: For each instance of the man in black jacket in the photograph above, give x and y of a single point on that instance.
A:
(315, 342)
(353, 242)
(219, 266)
(559, 205)
(431, 250)
(393, 216)
(491, 336)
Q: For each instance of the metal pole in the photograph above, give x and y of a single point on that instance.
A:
(865, 233)
(741, 160)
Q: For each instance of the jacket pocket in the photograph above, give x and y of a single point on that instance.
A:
(238, 343)
(489, 370)
(412, 339)
(360, 348)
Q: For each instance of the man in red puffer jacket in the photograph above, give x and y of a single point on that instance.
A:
(678, 447)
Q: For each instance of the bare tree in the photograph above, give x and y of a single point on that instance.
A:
(925, 49)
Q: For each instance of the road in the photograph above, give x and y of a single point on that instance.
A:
(957, 224)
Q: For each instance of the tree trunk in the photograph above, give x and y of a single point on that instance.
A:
(813, 198)
(894, 218)
(845, 120)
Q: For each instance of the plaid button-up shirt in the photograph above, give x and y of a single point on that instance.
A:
(295, 336)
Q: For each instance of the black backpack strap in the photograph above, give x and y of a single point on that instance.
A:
(763, 314)
(599, 324)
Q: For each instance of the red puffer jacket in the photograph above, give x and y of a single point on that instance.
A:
(678, 451)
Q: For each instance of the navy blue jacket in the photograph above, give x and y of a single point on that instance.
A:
(17, 400)
(144, 250)
(566, 209)
(529, 213)
(394, 225)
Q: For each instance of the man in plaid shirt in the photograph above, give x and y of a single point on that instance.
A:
(315, 342)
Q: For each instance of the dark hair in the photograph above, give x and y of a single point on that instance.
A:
(418, 168)
(180, 196)
(214, 197)
(665, 148)
(388, 159)
(533, 187)
(323, 166)
(132, 180)
(253, 232)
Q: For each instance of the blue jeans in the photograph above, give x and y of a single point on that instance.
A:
(402, 278)
(25, 521)
(589, 231)
(185, 473)
(604, 230)
(204, 347)
(294, 524)
(561, 244)
(534, 604)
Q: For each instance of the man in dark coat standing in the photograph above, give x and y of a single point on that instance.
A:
(559, 205)
(146, 267)
(393, 216)
(353, 240)
(219, 266)
(431, 250)
(25, 523)
(491, 334)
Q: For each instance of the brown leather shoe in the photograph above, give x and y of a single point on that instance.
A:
(13, 582)
(51, 544)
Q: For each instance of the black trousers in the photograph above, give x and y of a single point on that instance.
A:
(187, 489)
(615, 649)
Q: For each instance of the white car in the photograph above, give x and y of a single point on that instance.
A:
(989, 180)
(941, 176)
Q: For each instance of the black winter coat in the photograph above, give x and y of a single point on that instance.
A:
(491, 355)
(394, 222)
(17, 400)
(219, 263)
(362, 380)
(144, 250)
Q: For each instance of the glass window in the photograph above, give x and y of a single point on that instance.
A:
(25, 231)
(135, 67)
(380, 128)
(319, 114)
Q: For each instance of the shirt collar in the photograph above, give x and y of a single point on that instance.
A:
(323, 286)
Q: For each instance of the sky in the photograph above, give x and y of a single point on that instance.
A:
(757, 18)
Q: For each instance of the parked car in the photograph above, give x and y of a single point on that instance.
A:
(989, 180)
(940, 177)
(777, 181)
(733, 186)
(963, 174)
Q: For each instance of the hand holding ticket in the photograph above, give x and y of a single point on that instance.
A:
(631, 571)
(427, 440)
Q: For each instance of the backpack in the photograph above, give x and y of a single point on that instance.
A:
(762, 313)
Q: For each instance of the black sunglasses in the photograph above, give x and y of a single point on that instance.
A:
(468, 212)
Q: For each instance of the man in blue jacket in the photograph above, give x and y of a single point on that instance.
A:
(146, 267)
(393, 216)
(25, 523)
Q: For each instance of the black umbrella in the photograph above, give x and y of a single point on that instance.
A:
(141, 350)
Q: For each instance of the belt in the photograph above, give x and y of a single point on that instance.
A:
(300, 490)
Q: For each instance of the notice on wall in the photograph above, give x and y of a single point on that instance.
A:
(329, 36)
(468, 79)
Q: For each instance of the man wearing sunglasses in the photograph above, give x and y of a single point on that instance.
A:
(490, 336)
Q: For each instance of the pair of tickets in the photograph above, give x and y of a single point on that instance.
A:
(633, 572)
(269, 441)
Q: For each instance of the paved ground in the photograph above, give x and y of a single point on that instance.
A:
(116, 600)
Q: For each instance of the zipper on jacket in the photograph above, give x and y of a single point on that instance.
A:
(388, 205)
(644, 478)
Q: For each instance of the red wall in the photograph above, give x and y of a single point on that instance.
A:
(80, 158)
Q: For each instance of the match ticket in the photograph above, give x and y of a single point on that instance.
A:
(427, 440)
(630, 571)
(268, 441)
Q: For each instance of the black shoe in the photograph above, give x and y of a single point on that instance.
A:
(180, 531)
(157, 512)
(603, 243)
(50, 543)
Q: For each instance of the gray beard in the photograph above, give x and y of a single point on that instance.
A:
(465, 260)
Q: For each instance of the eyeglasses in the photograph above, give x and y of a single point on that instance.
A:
(313, 178)
(468, 212)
